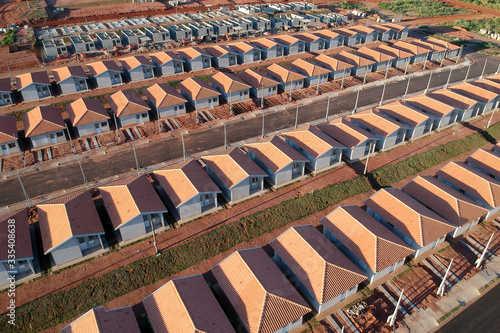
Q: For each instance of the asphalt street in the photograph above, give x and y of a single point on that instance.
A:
(39, 183)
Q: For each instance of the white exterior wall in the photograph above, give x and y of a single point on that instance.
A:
(137, 74)
(269, 91)
(67, 252)
(90, 129)
(132, 119)
(104, 80)
(203, 103)
(9, 150)
(132, 229)
(44, 139)
(30, 93)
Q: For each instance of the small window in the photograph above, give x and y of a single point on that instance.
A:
(96, 125)
(144, 115)
(181, 107)
(246, 92)
(175, 108)
(12, 145)
(59, 134)
(81, 240)
(104, 124)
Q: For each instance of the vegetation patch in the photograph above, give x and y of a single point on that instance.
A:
(421, 8)
(488, 285)
(452, 311)
(353, 5)
(484, 3)
(491, 24)
(95, 4)
(8, 38)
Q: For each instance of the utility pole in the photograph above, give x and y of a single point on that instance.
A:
(467, 73)
(387, 70)
(291, 88)
(317, 85)
(327, 109)
(225, 136)
(262, 97)
(262, 123)
(297, 115)
(183, 147)
(459, 54)
(498, 69)
(117, 130)
(392, 318)
(442, 59)
(70, 140)
(196, 108)
(481, 258)
(484, 68)
(491, 118)
(83, 174)
(154, 236)
(425, 61)
(356, 103)
(136, 161)
(20, 151)
(10, 74)
(428, 84)
(383, 92)
(366, 72)
(342, 83)
(406, 66)
(24, 190)
(440, 291)
(449, 77)
(230, 103)
(370, 151)
(159, 120)
(407, 86)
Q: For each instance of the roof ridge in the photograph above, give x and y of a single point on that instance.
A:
(183, 304)
(132, 196)
(96, 320)
(457, 200)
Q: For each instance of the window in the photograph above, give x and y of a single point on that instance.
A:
(81, 240)
(181, 107)
(175, 108)
(96, 125)
(104, 124)
(12, 145)
(144, 115)
(296, 165)
(245, 92)
(59, 134)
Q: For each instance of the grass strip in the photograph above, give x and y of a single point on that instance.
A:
(488, 285)
(449, 313)
(55, 309)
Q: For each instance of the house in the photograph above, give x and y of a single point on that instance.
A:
(399, 31)
(316, 267)
(367, 34)
(338, 69)
(186, 305)
(8, 136)
(235, 173)
(374, 249)
(5, 91)
(116, 320)
(260, 83)
(70, 228)
(222, 27)
(388, 131)
(452, 50)
(165, 101)
(44, 125)
(157, 34)
(134, 37)
(53, 48)
(70, 79)
(485, 161)
(222, 56)
(291, 45)
(418, 53)
(195, 58)
(108, 40)
(332, 38)
(436, 52)
(314, 74)
(321, 150)
(443, 114)
(199, 93)
(82, 44)
(258, 292)
(167, 63)
(350, 37)
(360, 65)
(417, 122)
(231, 87)
(268, 48)
(488, 84)
(313, 43)
(33, 85)
(133, 207)
(288, 79)
(23, 263)
(88, 116)
(260, 23)
(496, 148)
(399, 57)
(381, 61)
(180, 32)
(418, 226)
(358, 142)
(495, 78)
(187, 189)
(384, 34)
(246, 52)
(449, 203)
(105, 73)
(129, 108)
(241, 25)
(488, 100)
(469, 108)
(137, 68)
(466, 179)
(202, 30)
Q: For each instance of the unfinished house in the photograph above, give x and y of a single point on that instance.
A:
(134, 208)
(222, 27)
(487, 98)
(70, 79)
(180, 32)
(261, 84)
(418, 226)
(8, 136)
(82, 44)
(121, 320)
(199, 93)
(70, 228)
(313, 43)
(316, 266)
(88, 116)
(196, 58)
(443, 114)
(331, 38)
(5, 92)
(241, 25)
(246, 53)
(134, 37)
(137, 68)
(350, 37)
(314, 74)
(337, 69)
(374, 249)
(268, 48)
(417, 122)
(129, 108)
(485, 161)
(259, 23)
(157, 34)
(231, 87)
(202, 30)
(108, 40)
(167, 63)
(469, 108)
(222, 56)
(33, 86)
(105, 73)
(291, 45)
(165, 101)
(399, 57)
(360, 65)
(44, 126)
(381, 61)
(53, 48)
(187, 189)
(288, 79)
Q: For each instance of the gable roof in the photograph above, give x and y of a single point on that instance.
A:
(381, 28)
(306, 37)
(85, 111)
(98, 320)
(5, 84)
(232, 166)
(228, 82)
(442, 43)
(377, 122)
(197, 88)
(404, 112)
(286, 39)
(133, 62)
(261, 295)
(218, 51)
(444, 200)
(374, 55)
(163, 57)
(63, 73)
(474, 92)
(308, 68)
(410, 48)
(162, 95)
(42, 120)
(25, 80)
(371, 242)
(191, 53)
(346, 32)
(429, 104)
(353, 59)
(124, 103)
(185, 180)
(326, 34)
(362, 29)
(495, 78)
(395, 27)
(452, 98)
(186, 305)
(312, 140)
(274, 153)
(264, 43)
(23, 246)
(428, 46)
(318, 264)
(8, 129)
(100, 67)
(331, 63)
(257, 79)
(64, 218)
(486, 160)
(488, 84)
(241, 47)
(284, 74)
(392, 51)
(346, 132)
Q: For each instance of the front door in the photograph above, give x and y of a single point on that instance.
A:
(52, 138)
(5, 151)
(270, 92)
(97, 128)
(176, 111)
(138, 119)
(210, 103)
(241, 95)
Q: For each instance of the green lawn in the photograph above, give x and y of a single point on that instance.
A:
(492, 24)
(421, 8)
(495, 4)
(96, 4)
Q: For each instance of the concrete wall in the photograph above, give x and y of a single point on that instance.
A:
(379, 66)
(316, 45)
(419, 130)
(44, 139)
(249, 57)
(384, 37)
(132, 119)
(460, 230)
(418, 58)
(173, 110)
(235, 96)
(90, 129)
(30, 93)
(198, 63)
(357, 152)
(67, 252)
(400, 62)
(190, 208)
(357, 71)
(295, 85)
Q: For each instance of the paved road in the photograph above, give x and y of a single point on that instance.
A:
(481, 316)
(67, 176)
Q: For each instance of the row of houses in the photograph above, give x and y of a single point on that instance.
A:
(312, 269)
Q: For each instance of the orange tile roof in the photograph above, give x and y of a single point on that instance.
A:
(362, 29)
(474, 92)
(410, 48)
(85, 111)
(495, 78)
(241, 47)
(129, 198)
(452, 98)
(381, 28)
(396, 27)
(447, 202)
(261, 295)
(331, 63)
(409, 216)
(98, 320)
(326, 34)
(404, 112)
(162, 95)
(346, 32)
(264, 43)
(353, 59)
(346, 133)
(97, 68)
(64, 218)
(42, 120)
(429, 104)
(8, 129)
(392, 51)
(312, 140)
(125, 103)
(232, 166)
(23, 246)
(284, 74)
(373, 55)
(429, 46)
(133, 62)
(442, 43)
(274, 153)
(229, 82)
(310, 69)
(376, 122)
(61, 74)
(286, 39)
(164, 57)
(488, 84)
(186, 305)
(486, 160)
(218, 51)
(25, 80)
(306, 37)
(5, 84)
(185, 180)
(193, 52)
(319, 265)
(257, 79)
(366, 238)
(197, 89)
